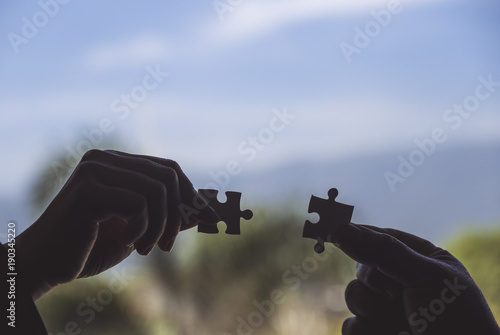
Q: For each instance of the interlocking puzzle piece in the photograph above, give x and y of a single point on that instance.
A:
(228, 211)
(332, 215)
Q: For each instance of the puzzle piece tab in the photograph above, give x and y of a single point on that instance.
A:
(332, 215)
(228, 211)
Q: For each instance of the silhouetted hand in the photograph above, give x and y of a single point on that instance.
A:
(406, 285)
(112, 204)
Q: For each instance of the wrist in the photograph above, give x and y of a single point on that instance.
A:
(29, 259)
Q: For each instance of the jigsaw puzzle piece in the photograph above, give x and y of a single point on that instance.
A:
(332, 215)
(228, 211)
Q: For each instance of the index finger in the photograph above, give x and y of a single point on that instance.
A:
(385, 252)
(418, 244)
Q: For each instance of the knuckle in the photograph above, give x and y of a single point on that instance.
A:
(347, 325)
(350, 289)
(388, 240)
(170, 175)
(111, 151)
(172, 164)
(92, 154)
(363, 272)
(86, 169)
(159, 191)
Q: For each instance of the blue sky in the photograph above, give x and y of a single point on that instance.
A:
(228, 77)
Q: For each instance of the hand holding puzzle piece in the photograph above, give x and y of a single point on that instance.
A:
(332, 215)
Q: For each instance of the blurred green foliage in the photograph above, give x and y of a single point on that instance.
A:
(87, 306)
(225, 277)
(479, 252)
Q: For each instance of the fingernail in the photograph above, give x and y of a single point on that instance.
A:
(170, 245)
(147, 251)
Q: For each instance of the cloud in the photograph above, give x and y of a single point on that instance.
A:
(257, 17)
(137, 50)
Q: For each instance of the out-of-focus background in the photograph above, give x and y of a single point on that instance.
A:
(395, 103)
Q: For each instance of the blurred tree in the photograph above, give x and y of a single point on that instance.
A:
(88, 306)
(479, 251)
(223, 277)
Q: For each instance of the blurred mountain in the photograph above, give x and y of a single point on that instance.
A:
(453, 187)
